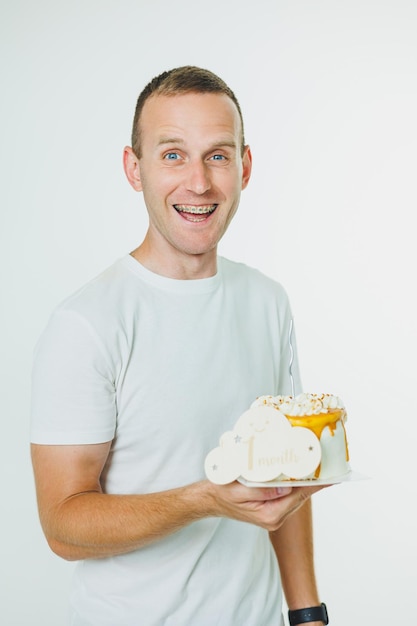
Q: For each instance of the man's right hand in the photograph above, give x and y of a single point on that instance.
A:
(268, 507)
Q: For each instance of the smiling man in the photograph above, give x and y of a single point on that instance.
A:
(137, 375)
(191, 167)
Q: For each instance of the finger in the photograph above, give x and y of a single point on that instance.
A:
(309, 491)
(262, 494)
(300, 495)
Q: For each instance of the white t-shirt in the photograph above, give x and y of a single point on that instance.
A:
(163, 367)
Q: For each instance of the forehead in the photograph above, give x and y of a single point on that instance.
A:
(192, 114)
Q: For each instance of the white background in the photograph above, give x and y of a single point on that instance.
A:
(329, 93)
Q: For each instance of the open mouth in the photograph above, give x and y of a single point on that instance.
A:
(194, 213)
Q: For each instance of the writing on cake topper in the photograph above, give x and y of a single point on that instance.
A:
(263, 446)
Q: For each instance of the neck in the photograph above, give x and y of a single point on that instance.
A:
(176, 265)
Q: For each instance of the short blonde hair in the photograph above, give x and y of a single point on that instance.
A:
(181, 80)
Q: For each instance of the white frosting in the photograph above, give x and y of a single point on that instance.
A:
(303, 404)
(333, 452)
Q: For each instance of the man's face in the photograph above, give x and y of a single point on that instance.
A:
(191, 171)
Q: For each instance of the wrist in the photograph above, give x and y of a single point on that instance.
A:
(313, 615)
(206, 499)
(197, 499)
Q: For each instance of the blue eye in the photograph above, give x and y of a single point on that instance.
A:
(218, 157)
(171, 156)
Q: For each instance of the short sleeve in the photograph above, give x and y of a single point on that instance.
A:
(73, 391)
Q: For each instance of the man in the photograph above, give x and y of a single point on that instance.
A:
(139, 373)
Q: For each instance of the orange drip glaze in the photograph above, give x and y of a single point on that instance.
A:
(317, 423)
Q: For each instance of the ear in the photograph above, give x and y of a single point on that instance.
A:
(247, 166)
(132, 168)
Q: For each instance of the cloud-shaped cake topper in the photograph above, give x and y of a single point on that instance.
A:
(263, 446)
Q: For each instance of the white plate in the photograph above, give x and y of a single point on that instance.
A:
(348, 477)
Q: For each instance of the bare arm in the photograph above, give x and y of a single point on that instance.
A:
(80, 521)
(293, 544)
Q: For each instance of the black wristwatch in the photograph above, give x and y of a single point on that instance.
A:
(312, 614)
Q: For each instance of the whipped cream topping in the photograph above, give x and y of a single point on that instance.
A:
(303, 404)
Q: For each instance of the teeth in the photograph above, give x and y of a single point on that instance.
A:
(196, 210)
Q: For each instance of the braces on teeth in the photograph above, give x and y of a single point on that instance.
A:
(196, 210)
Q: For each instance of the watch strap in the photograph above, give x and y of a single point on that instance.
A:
(311, 614)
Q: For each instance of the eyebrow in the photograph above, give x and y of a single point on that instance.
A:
(164, 140)
(227, 143)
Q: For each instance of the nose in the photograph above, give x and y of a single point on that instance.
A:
(198, 180)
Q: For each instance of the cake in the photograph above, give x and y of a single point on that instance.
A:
(282, 438)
